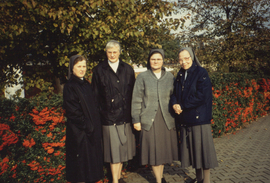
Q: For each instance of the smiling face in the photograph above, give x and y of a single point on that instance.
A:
(113, 54)
(79, 69)
(185, 59)
(156, 62)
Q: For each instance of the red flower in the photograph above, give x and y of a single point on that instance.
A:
(49, 135)
(13, 168)
(26, 143)
(35, 111)
(4, 166)
(8, 137)
(12, 117)
(29, 143)
(50, 150)
(63, 139)
(34, 165)
(57, 153)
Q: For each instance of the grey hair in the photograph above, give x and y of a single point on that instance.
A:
(112, 44)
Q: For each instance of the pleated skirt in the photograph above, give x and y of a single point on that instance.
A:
(159, 144)
(119, 143)
(197, 147)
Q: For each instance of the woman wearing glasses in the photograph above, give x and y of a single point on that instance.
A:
(151, 115)
(192, 102)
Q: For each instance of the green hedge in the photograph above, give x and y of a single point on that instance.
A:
(32, 131)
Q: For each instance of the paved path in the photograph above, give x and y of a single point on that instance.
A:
(243, 157)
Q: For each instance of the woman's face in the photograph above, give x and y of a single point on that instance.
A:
(156, 62)
(113, 54)
(79, 69)
(185, 59)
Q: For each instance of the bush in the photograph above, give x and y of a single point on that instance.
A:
(32, 131)
(237, 99)
(32, 140)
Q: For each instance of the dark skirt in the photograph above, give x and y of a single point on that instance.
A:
(158, 145)
(197, 147)
(119, 143)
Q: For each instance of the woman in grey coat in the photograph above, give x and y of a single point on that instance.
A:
(151, 114)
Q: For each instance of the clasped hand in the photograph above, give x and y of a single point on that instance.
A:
(177, 109)
(137, 126)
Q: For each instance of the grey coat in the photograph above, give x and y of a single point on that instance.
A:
(148, 93)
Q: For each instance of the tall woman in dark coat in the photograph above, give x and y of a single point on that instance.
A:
(192, 102)
(151, 115)
(84, 162)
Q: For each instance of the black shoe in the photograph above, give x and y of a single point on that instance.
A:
(121, 180)
(163, 180)
(193, 181)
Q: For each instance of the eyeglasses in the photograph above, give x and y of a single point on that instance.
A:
(158, 60)
(184, 59)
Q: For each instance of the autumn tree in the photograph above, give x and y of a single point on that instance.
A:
(45, 33)
(232, 35)
(164, 39)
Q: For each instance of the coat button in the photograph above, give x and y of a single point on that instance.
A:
(123, 98)
(152, 119)
(118, 81)
(112, 100)
(197, 117)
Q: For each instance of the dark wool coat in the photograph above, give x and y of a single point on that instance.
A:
(194, 96)
(84, 157)
(114, 92)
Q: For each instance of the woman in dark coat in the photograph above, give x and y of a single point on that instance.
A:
(84, 162)
(192, 102)
(151, 115)
(113, 82)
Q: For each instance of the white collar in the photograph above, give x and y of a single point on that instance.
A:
(114, 65)
(158, 74)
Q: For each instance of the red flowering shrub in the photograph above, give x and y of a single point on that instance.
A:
(32, 140)
(237, 99)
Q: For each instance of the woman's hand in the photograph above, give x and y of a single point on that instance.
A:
(137, 126)
(177, 109)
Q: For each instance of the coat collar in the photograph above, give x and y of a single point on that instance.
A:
(190, 70)
(77, 80)
(163, 71)
(106, 66)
